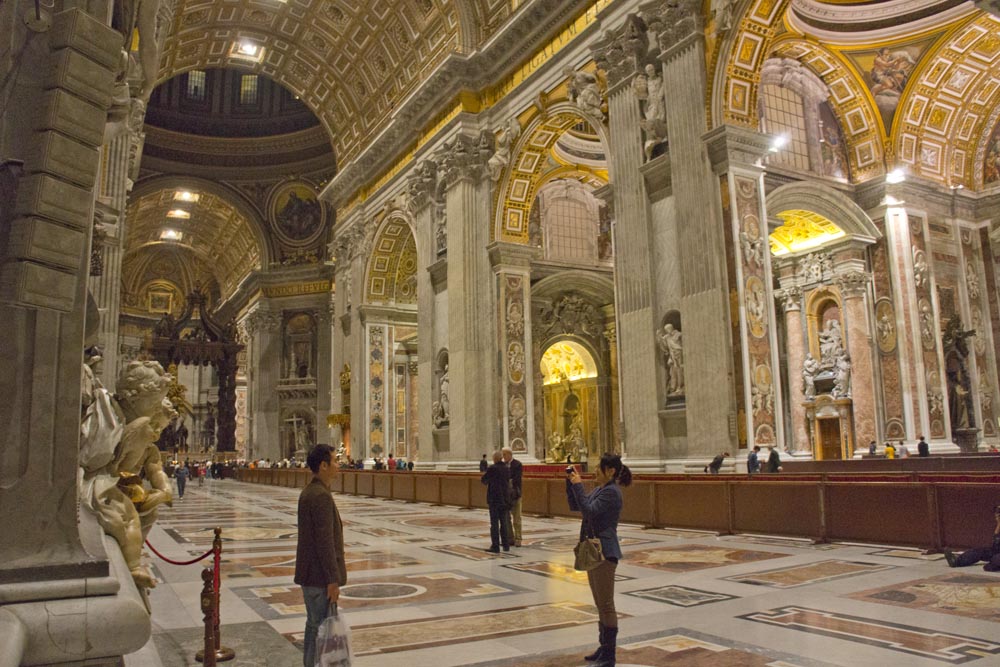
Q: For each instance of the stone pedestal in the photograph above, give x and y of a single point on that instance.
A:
(967, 439)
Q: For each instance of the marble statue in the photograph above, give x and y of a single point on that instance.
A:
(960, 400)
(656, 102)
(112, 485)
(445, 403)
(585, 93)
(673, 350)
(831, 341)
(504, 143)
(438, 416)
(810, 367)
(842, 376)
(556, 451)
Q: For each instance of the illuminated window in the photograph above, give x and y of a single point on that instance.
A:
(184, 195)
(179, 213)
(196, 85)
(784, 114)
(570, 221)
(171, 235)
(248, 89)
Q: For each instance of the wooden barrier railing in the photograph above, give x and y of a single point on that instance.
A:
(928, 511)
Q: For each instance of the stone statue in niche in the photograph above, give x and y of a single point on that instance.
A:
(959, 381)
(443, 400)
(831, 341)
(671, 345)
(810, 368)
(585, 92)
(842, 376)
(505, 142)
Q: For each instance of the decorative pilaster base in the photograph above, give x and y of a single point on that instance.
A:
(967, 439)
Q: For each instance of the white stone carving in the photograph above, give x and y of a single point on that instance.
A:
(810, 367)
(919, 267)
(762, 395)
(926, 318)
(585, 93)
(972, 281)
(753, 248)
(842, 376)
(814, 267)
(672, 347)
(790, 297)
(831, 341)
(504, 143)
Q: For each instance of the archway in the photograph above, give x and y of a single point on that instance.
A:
(570, 388)
(390, 316)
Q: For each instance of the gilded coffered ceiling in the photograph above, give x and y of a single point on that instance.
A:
(392, 268)
(914, 83)
(350, 61)
(202, 230)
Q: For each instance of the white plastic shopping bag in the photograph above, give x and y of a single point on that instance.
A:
(333, 641)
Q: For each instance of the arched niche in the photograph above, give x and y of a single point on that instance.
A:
(810, 201)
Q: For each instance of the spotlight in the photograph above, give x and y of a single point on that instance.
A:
(248, 48)
(779, 142)
(895, 176)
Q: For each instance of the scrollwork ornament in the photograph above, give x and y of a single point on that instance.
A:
(790, 298)
(972, 281)
(853, 284)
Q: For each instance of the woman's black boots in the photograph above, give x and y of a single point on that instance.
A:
(609, 640)
(596, 655)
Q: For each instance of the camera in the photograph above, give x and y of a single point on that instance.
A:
(570, 470)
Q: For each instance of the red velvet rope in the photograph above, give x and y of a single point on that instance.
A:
(177, 562)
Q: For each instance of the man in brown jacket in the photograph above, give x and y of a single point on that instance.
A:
(319, 557)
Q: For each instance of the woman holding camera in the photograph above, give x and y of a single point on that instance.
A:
(601, 510)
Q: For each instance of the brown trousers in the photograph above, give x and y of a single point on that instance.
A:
(602, 587)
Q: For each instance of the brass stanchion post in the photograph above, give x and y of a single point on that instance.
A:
(220, 653)
(207, 654)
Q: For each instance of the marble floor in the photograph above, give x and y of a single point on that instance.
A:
(423, 592)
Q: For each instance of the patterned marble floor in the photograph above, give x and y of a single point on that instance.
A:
(423, 592)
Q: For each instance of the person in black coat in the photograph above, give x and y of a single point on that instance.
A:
(483, 464)
(497, 481)
(923, 449)
(773, 460)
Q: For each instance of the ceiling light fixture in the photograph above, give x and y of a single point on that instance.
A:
(171, 235)
(779, 142)
(248, 48)
(179, 213)
(185, 195)
(895, 176)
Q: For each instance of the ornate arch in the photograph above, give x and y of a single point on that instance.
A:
(257, 224)
(827, 202)
(858, 120)
(391, 272)
(529, 168)
(736, 75)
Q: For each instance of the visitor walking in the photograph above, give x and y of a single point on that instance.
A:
(497, 480)
(516, 475)
(753, 460)
(716, 465)
(181, 474)
(601, 510)
(773, 460)
(320, 568)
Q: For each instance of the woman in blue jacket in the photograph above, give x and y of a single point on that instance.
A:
(601, 509)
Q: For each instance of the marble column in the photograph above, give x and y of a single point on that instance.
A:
(512, 267)
(66, 591)
(791, 301)
(263, 327)
(641, 394)
(474, 418)
(324, 376)
(614, 408)
(854, 288)
(422, 187)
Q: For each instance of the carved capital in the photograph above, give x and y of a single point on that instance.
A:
(259, 320)
(790, 298)
(422, 185)
(611, 334)
(673, 21)
(853, 284)
(621, 52)
(464, 157)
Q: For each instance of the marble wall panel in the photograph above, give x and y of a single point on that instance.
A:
(893, 423)
(929, 325)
